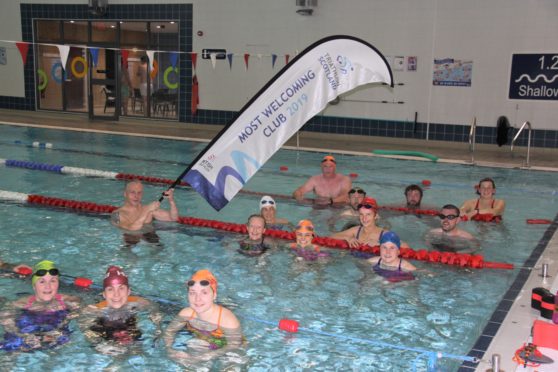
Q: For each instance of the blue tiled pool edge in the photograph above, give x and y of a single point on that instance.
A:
(498, 316)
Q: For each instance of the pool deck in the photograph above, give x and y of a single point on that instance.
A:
(511, 323)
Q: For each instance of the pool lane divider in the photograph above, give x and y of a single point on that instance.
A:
(88, 172)
(448, 258)
(285, 324)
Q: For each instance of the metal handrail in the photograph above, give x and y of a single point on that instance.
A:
(528, 140)
(472, 139)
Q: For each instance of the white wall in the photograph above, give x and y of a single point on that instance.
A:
(487, 32)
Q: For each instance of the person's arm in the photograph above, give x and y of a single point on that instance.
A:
(178, 323)
(468, 208)
(498, 210)
(349, 236)
(172, 213)
(407, 266)
(308, 186)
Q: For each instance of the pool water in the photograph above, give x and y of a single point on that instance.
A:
(351, 318)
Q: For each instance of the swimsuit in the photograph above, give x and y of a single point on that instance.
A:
(309, 254)
(250, 248)
(216, 338)
(392, 276)
(39, 323)
(360, 254)
(486, 217)
(117, 324)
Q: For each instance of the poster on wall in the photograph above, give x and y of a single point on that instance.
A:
(534, 76)
(452, 72)
(398, 63)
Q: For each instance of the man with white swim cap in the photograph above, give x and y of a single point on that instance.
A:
(133, 215)
(329, 187)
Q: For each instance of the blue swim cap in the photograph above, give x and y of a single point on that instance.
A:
(390, 236)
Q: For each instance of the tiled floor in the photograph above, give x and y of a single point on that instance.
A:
(510, 325)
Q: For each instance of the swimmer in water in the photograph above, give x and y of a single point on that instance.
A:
(303, 248)
(329, 187)
(133, 215)
(215, 329)
(44, 319)
(115, 318)
(136, 219)
(268, 210)
(486, 207)
(256, 243)
(367, 233)
(449, 237)
(389, 265)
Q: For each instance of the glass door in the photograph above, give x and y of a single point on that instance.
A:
(103, 93)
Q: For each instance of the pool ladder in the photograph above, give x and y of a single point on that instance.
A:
(528, 125)
(472, 139)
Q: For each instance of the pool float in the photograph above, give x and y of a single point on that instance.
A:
(406, 153)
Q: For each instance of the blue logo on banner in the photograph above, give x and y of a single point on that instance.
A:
(215, 194)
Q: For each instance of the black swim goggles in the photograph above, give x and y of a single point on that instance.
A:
(450, 217)
(203, 283)
(358, 191)
(367, 206)
(270, 202)
(43, 272)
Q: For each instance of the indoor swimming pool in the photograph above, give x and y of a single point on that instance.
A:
(350, 318)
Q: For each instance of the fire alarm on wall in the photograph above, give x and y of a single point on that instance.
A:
(200, 33)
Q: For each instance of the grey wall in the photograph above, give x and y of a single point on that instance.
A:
(487, 32)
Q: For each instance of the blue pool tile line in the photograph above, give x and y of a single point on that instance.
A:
(498, 316)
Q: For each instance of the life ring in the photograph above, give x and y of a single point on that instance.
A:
(406, 153)
(538, 221)
(42, 76)
(79, 75)
(53, 73)
(166, 77)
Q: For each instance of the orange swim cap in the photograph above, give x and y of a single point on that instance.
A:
(368, 203)
(329, 158)
(203, 275)
(305, 226)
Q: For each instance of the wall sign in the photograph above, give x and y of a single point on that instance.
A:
(534, 76)
(219, 53)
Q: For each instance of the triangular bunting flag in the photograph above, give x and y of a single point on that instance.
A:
(195, 95)
(23, 49)
(125, 53)
(194, 58)
(287, 59)
(273, 60)
(259, 55)
(173, 59)
(213, 58)
(64, 51)
(246, 58)
(94, 55)
(150, 56)
(230, 57)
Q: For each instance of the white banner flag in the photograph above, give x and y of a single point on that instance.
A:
(303, 88)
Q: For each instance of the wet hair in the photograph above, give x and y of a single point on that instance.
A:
(256, 216)
(412, 188)
(451, 206)
(486, 179)
(132, 182)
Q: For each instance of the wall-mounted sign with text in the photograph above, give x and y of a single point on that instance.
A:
(219, 53)
(534, 76)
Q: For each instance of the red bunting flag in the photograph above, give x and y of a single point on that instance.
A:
(194, 58)
(23, 49)
(195, 95)
(246, 58)
(125, 53)
(287, 59)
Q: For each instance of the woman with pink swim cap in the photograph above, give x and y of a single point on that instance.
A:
(115, 318)
(215, 328)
